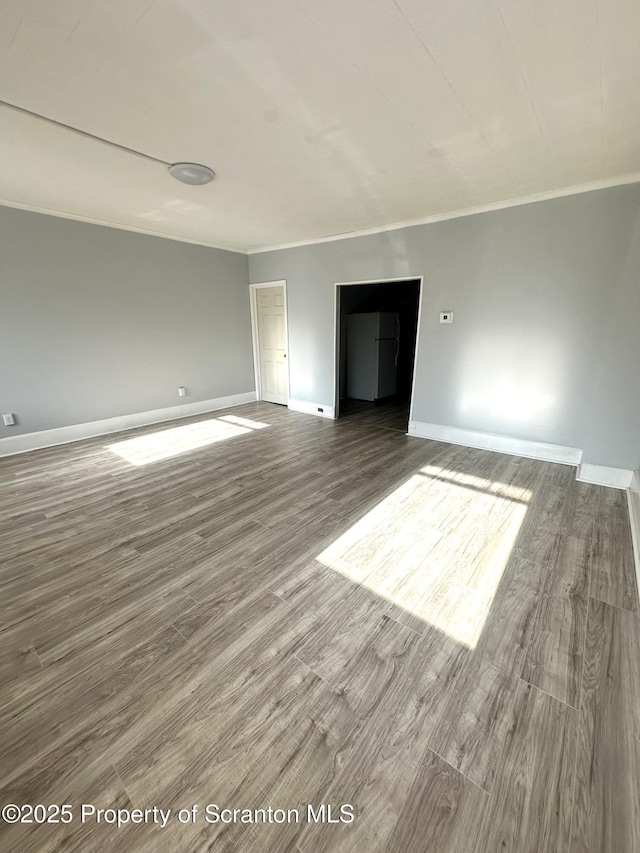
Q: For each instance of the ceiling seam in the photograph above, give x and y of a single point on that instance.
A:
(459, 99)
(137, 21)
(465, 181)
(13, 37)
(529, 95)
(602, 166)
(75, 27)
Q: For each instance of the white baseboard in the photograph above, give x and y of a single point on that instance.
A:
(633, 500)
(499, 443)
(63, 435)
(601, 475)
(322, 410)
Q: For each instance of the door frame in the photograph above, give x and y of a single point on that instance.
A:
(336, 333)
(255, 337)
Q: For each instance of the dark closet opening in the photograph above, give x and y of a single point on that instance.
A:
(399, 298)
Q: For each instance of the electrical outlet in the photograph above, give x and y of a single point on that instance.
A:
(8, 420)
(182, 391)
(446, 316)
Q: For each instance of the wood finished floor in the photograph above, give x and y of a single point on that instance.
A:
(307, 611)
(390, 413)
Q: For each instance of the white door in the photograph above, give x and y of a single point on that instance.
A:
(272, 344)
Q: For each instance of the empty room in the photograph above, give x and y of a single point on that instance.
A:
(320, 426)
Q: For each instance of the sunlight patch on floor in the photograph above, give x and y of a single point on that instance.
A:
(172, 442)
(245, 422)
(436, 547)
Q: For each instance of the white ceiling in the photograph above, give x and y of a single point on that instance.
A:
(319, 116)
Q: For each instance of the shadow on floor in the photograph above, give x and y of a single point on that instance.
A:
(389, 414)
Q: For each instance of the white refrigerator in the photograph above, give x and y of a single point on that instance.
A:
(372, 351)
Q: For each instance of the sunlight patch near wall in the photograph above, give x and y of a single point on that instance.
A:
(245, 422)
(436, 547)
(166, 443)
(498, 391)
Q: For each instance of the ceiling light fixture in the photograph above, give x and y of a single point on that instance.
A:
(188, 173)
(191, 173)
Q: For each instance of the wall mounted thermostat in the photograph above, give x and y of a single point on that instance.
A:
(446, 316)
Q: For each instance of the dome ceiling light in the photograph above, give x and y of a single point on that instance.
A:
(191, 173)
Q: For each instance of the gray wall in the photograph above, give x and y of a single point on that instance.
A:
(97, 322)
(531, 288)
(613, 428)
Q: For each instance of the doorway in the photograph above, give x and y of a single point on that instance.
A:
(376, 343)
(270, 341)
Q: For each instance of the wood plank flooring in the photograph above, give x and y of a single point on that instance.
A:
(389, 413)
(256, 608)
